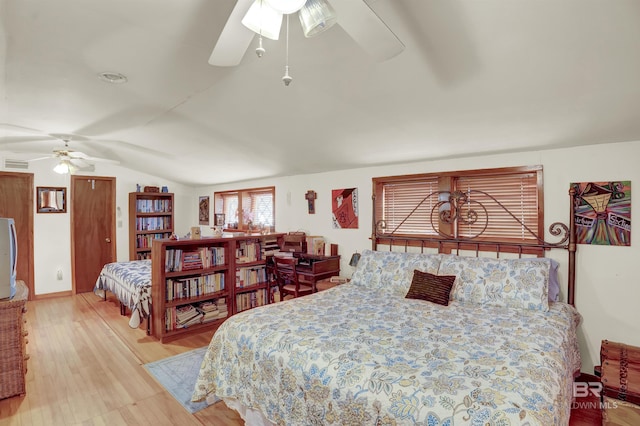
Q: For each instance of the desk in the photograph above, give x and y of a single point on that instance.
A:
(313, 268)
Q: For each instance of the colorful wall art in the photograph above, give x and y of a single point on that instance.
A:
(603, 213)
(344, 208)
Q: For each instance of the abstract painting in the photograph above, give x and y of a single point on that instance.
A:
(603, 213)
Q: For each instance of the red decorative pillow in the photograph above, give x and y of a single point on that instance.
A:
(433, 288)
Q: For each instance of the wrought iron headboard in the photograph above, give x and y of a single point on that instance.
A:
(453, 209)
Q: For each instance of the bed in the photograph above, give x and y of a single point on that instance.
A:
(130, 282)
(498, 351)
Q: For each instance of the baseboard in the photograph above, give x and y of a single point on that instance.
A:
(52, 295)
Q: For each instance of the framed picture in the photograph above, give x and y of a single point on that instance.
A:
(219, 219)
(51, 199)
(203, 210)
(344, 208)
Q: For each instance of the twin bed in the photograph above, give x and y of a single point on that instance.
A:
(379, 351)
(130, 282)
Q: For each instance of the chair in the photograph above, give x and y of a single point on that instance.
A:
(287, 278)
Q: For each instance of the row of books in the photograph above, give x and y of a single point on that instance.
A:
(146, 240)
(249, 276)
(153, 206)
(188, 315)
(248, 251)
(251, 299)
(153, 223)
(186, 260)
(194, 287)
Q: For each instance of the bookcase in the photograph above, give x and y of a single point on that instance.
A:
(197, 284)
(150, 218)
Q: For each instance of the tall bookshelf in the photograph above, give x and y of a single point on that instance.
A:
(150, 218)
(227, 274)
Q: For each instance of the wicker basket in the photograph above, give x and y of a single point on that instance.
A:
(12, 344)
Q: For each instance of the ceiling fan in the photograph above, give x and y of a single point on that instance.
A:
(354, 16)
(71, 161)
(21, 140)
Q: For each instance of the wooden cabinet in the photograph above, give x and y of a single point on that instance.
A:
(150, 218)
(13, 341)
(225, 274)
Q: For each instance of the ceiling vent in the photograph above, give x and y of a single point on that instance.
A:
(16, 164)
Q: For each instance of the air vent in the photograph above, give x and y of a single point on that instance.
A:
(15, 164)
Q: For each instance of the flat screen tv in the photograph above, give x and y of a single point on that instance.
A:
(8, 257)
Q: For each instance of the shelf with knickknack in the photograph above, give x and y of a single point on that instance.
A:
(198, 283)
(150, 218)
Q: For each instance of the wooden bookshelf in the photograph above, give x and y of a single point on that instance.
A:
(150, 218)
(220, 271)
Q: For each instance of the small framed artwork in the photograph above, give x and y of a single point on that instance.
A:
(203, 210)
(52, 199)
(219, 219)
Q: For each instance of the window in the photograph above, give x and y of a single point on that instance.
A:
(402, 203)
(246, 208)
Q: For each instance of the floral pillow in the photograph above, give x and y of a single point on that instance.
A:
(392, 272)
(511, 283)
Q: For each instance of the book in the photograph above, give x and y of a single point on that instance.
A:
(338, 279)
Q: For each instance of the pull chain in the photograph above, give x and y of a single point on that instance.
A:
(287, 78)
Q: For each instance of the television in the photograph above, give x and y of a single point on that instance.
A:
(8, 257)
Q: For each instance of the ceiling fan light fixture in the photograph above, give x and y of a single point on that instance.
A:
(64, 167)
(286, 7)
(263, 19)
(316, 16)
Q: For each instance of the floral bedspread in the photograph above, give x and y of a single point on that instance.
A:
(130, 282)
(355, 356)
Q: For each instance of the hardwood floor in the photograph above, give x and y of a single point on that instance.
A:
(86, 368)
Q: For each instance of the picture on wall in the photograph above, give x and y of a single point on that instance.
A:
(603, 213)
(203, 210)
(344, 208)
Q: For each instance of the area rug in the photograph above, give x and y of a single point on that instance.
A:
(178, 374)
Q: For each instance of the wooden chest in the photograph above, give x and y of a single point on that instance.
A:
(621, 383)
(621, 371)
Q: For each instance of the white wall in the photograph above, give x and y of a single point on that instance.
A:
(52, 231)
(607, 288)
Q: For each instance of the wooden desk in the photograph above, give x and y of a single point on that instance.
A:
(313, 268)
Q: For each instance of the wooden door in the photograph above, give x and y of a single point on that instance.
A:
(93, 229)
(16, 201)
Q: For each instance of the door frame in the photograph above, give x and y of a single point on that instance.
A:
(112, 209)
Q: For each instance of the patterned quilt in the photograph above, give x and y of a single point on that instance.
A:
(131, 284)
(352, 355)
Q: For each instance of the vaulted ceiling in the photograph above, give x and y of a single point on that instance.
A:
(475, 76)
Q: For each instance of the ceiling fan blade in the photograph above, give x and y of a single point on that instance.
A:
(367, 29)
(234, 38)
(81, 156)
(40, 158)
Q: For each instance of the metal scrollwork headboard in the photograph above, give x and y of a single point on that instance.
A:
(450, 210)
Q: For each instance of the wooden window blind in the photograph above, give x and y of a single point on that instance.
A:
(400, 202)
(400, 199)
(517, 192)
